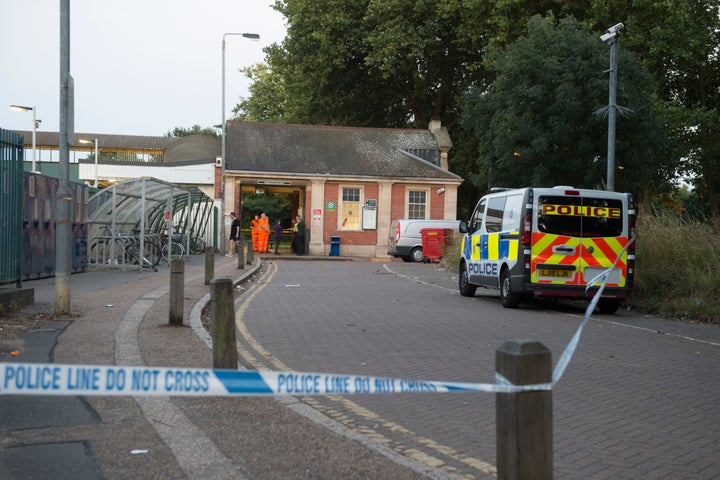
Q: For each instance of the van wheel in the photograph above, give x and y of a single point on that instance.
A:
(508, 298)
(466, 288)
(416, 255)
(608, 305)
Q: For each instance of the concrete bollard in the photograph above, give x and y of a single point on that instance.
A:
(177, 292)
(524, 420)
(239, 251)
(249, 252)
(222, 324)
(209, 264)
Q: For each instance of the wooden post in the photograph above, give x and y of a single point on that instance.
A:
(209, 264)
(222, 326)
(250, 252)
(177, 292)
(524, 419)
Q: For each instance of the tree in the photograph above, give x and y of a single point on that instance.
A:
(267, 94)
(194, 130)
(322, 65)
(535, 123)
(276, 207)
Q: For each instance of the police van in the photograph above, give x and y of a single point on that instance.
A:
(549, 243)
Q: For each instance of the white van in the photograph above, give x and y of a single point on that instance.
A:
(405, 239)
(549, 242)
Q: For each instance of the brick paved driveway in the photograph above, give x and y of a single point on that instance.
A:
(639, 399)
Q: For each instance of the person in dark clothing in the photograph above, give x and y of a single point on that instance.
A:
(299, 240)
(278, 235)
(234, 234)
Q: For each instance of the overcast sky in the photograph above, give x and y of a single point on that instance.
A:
(140, 67)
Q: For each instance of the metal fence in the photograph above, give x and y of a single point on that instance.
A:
(11, 194)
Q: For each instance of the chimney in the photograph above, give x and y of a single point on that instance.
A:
(443, 140)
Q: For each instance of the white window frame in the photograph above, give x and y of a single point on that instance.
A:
(427, 201)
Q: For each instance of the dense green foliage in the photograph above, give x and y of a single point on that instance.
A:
(542, 122)
(399, 63)
(274, 206)
(194, 130)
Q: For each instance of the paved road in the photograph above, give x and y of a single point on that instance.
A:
(639, 399)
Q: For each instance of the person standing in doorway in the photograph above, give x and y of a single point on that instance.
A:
(255, 229)
(293, 239)
(278, 235)
(264, 234)
(299, 240)
(234, 234)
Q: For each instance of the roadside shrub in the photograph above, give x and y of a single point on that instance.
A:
(678, 267)
(451, 250)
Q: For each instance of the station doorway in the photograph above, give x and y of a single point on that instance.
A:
(278, 202)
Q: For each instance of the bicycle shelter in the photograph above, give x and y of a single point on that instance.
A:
(144, 211)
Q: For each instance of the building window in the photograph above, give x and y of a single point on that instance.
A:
(350, 209)
(417, 204)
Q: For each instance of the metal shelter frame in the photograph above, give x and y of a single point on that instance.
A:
(148, 207)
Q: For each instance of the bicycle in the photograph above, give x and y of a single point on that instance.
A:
(124, 249)
(170, 249)
(197, 245)
(193, 245)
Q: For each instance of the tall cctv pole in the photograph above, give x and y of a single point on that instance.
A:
(611, 36)
(251, 36)
(63, 229)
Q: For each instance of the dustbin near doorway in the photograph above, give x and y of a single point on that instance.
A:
(335, 246)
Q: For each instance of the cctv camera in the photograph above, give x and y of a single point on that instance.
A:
(615, 28)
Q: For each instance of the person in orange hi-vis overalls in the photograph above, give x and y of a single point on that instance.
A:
(255, 230)
(264, 233)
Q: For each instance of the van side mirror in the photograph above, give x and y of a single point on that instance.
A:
(463, 227)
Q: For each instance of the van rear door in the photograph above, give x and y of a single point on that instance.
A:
(577, 235)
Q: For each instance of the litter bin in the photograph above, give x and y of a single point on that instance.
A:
(433, 241)
(335, 246)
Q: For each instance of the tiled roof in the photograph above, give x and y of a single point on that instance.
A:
(108, 141)
(308, 149)
(194, 147)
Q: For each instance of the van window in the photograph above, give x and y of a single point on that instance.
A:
(477, 217)
(580, 216)
(494, 214)
(511, 215)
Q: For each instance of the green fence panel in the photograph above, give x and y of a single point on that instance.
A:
(11, 195)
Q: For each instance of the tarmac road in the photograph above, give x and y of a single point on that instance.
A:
(636, 401)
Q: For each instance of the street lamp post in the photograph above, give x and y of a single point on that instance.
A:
(251, 36)
(82, 140)
(611, 36)
(35, 123)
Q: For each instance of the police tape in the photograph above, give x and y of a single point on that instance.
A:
(89, 380)
(99, 380)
